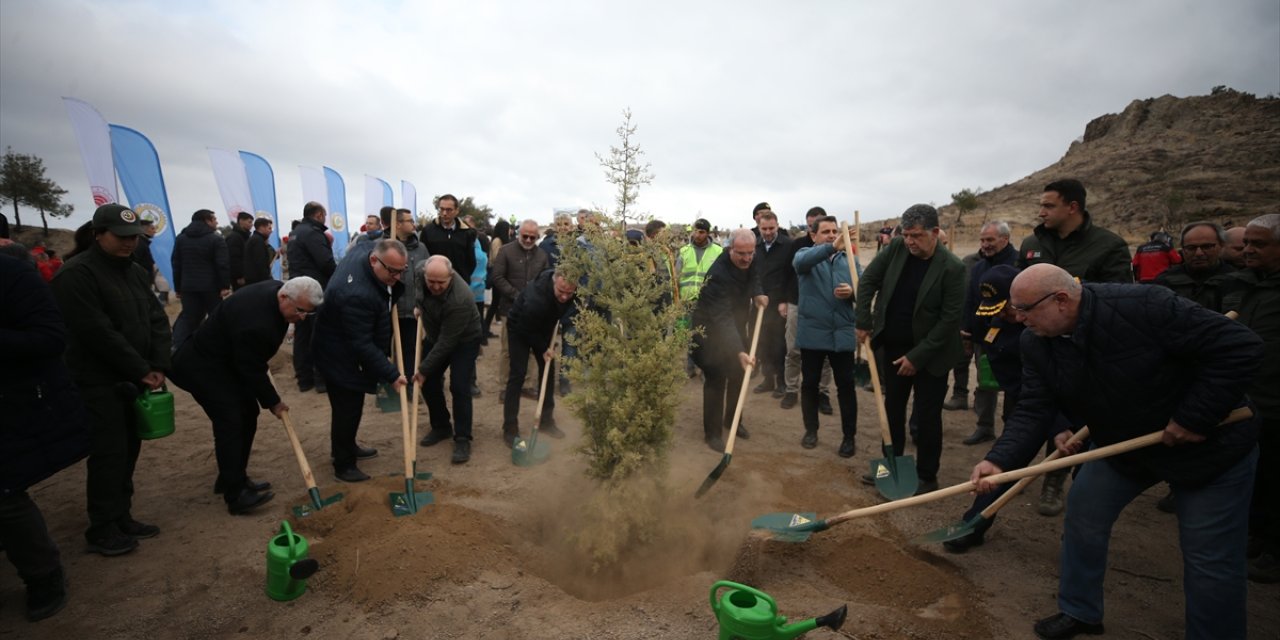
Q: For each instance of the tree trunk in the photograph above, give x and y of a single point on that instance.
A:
(17, 218)
(44, 222)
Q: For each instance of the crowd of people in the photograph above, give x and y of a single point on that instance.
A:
(1057, 325)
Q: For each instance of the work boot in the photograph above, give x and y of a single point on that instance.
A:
(46, 595)
(846, 447)
(980, 435)
(810, 439)
(956, 403)
(1166, 504)
(248, 500)
(1062, 626)
(436, 436)
(137, 530)
(789, 399)
(461, 451)
(1051, 493)
(112, 542)
(824, 404)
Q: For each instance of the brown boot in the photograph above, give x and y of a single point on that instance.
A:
(1051, 493)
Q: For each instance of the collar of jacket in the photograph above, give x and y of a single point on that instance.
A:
(1084, 227)
(1002, 256)
(114, 261)
(312, 221)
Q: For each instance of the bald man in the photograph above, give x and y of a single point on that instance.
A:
(1233, 251)
(1128, 360)
(451, 325)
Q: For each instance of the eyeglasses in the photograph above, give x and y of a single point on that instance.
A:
(1192, 248)
(529, 237)
(394, 272)
(1027, 308)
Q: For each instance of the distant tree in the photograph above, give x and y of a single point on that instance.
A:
(22, 182)
(623, 169)
(964, 201)
(49, 201)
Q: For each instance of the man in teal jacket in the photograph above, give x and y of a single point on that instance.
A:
(910, 303)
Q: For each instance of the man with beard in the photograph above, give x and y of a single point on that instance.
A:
(515, 266)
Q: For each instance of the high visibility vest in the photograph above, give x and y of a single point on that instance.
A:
(694, 272)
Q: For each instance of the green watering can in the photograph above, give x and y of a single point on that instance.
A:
(745, 613)
(155, 413)
(288, 566)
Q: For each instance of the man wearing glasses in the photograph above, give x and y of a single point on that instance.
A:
(224, 366)
(449, 237)
(353, 343)
(1202, 272)
(1128, 360)
(515, 266)
(406, 231)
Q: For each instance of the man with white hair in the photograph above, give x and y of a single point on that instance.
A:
(515, 266)
(224, 366)
(720, 350)
(994, 249)
(1254, 293)
(451, 340)
(1128, 360)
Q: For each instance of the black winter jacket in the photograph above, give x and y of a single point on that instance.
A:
(972, 323)
(235, 251)
(536, 311)
(353, 332)
(1206, 288)
(1090, 253)
(258, 256)
(43, 424)
(456, 244)
(1139, 357)
(723, 309)
(200, 261)
(233, 346)
(775, 267)
(309, 252)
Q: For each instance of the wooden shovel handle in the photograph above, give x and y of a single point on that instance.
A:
(307, 476)
(398, 356)
(417, 397)
(746, 379)
(1243, 413)
(546, 374)
(885, 436)
(1022, 484)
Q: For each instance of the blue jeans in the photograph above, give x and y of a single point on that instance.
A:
(1212, 531)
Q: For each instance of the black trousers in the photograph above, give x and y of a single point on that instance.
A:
(492, 311)
(842, 365)
(196, 306)
(346, 407)
(234, 412)
(773, 345)
(304, 366)
(721, 385)
(1264, 521)
(113, 456)
(930, 392)
(26, 538)
(409, 335)
(518, 352)
(461, 368)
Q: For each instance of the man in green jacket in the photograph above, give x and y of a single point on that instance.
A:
(910, 302)
(1254, 293)
(451, 327)
(117, 343)
(1202, 273)
(1067, 238)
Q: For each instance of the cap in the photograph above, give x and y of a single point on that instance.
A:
(761, 207)
(993, 289)
(701, 223)
(117, 219)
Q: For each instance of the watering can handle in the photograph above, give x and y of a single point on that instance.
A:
(288, 531)
(725, 584)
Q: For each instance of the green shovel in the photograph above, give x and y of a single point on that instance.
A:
(533, 452)
(403, 504)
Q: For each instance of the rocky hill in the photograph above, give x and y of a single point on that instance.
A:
(1161, 161)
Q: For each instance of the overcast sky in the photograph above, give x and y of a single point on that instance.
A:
(849, 105)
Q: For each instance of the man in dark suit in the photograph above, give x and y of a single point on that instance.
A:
(310, 254)
(201, 273)
(258, 252)
(773, 253)
(917, 288)
(236, 240)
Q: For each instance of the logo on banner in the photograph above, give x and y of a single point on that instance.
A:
(101, 196)
(148, 211)
(337, 221)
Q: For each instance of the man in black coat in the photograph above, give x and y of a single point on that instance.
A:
(43, 428)
(353, 342)
(530, 325)
(236, 240)
(1128, 360)
(310, 254)
(723, 310)
(258, 252)
(773, 250)
(224, 366)
(994, 249)
(201, 273)
(449, 237)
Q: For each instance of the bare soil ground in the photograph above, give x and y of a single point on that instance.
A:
(494, 556)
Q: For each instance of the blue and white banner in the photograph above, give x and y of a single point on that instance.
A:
(233, 186)
(386, 194)
(139, 169)
(337, 208)
(409, 197)
(262, 188)
(377, 194)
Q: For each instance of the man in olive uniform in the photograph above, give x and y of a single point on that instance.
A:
(118, 342)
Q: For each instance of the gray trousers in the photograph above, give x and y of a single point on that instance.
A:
(791, 372)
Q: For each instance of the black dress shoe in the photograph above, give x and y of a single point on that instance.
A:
(320, 388)
(926, 486)
(764, 387)
(305, 387)
(248, 500)
(351, 474)
(435, 437)
(716, 444)
(475, 391)
(742, 431)
(868, 478)
(810, 439)
(112, 542)
(979, 436)
(779, 392)
(248, 484)
(46, 595)
(137, 530)
(789, 400)
(461, 451)
(824, 404)
(364, 453)
(964, 543)
(846, 447)
(1062, 626)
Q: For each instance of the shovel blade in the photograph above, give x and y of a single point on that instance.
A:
(951, 532)
(317, 503)
(789, 527)
(715, 475)
(408, 503)
(895, 475)
(528, 453)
